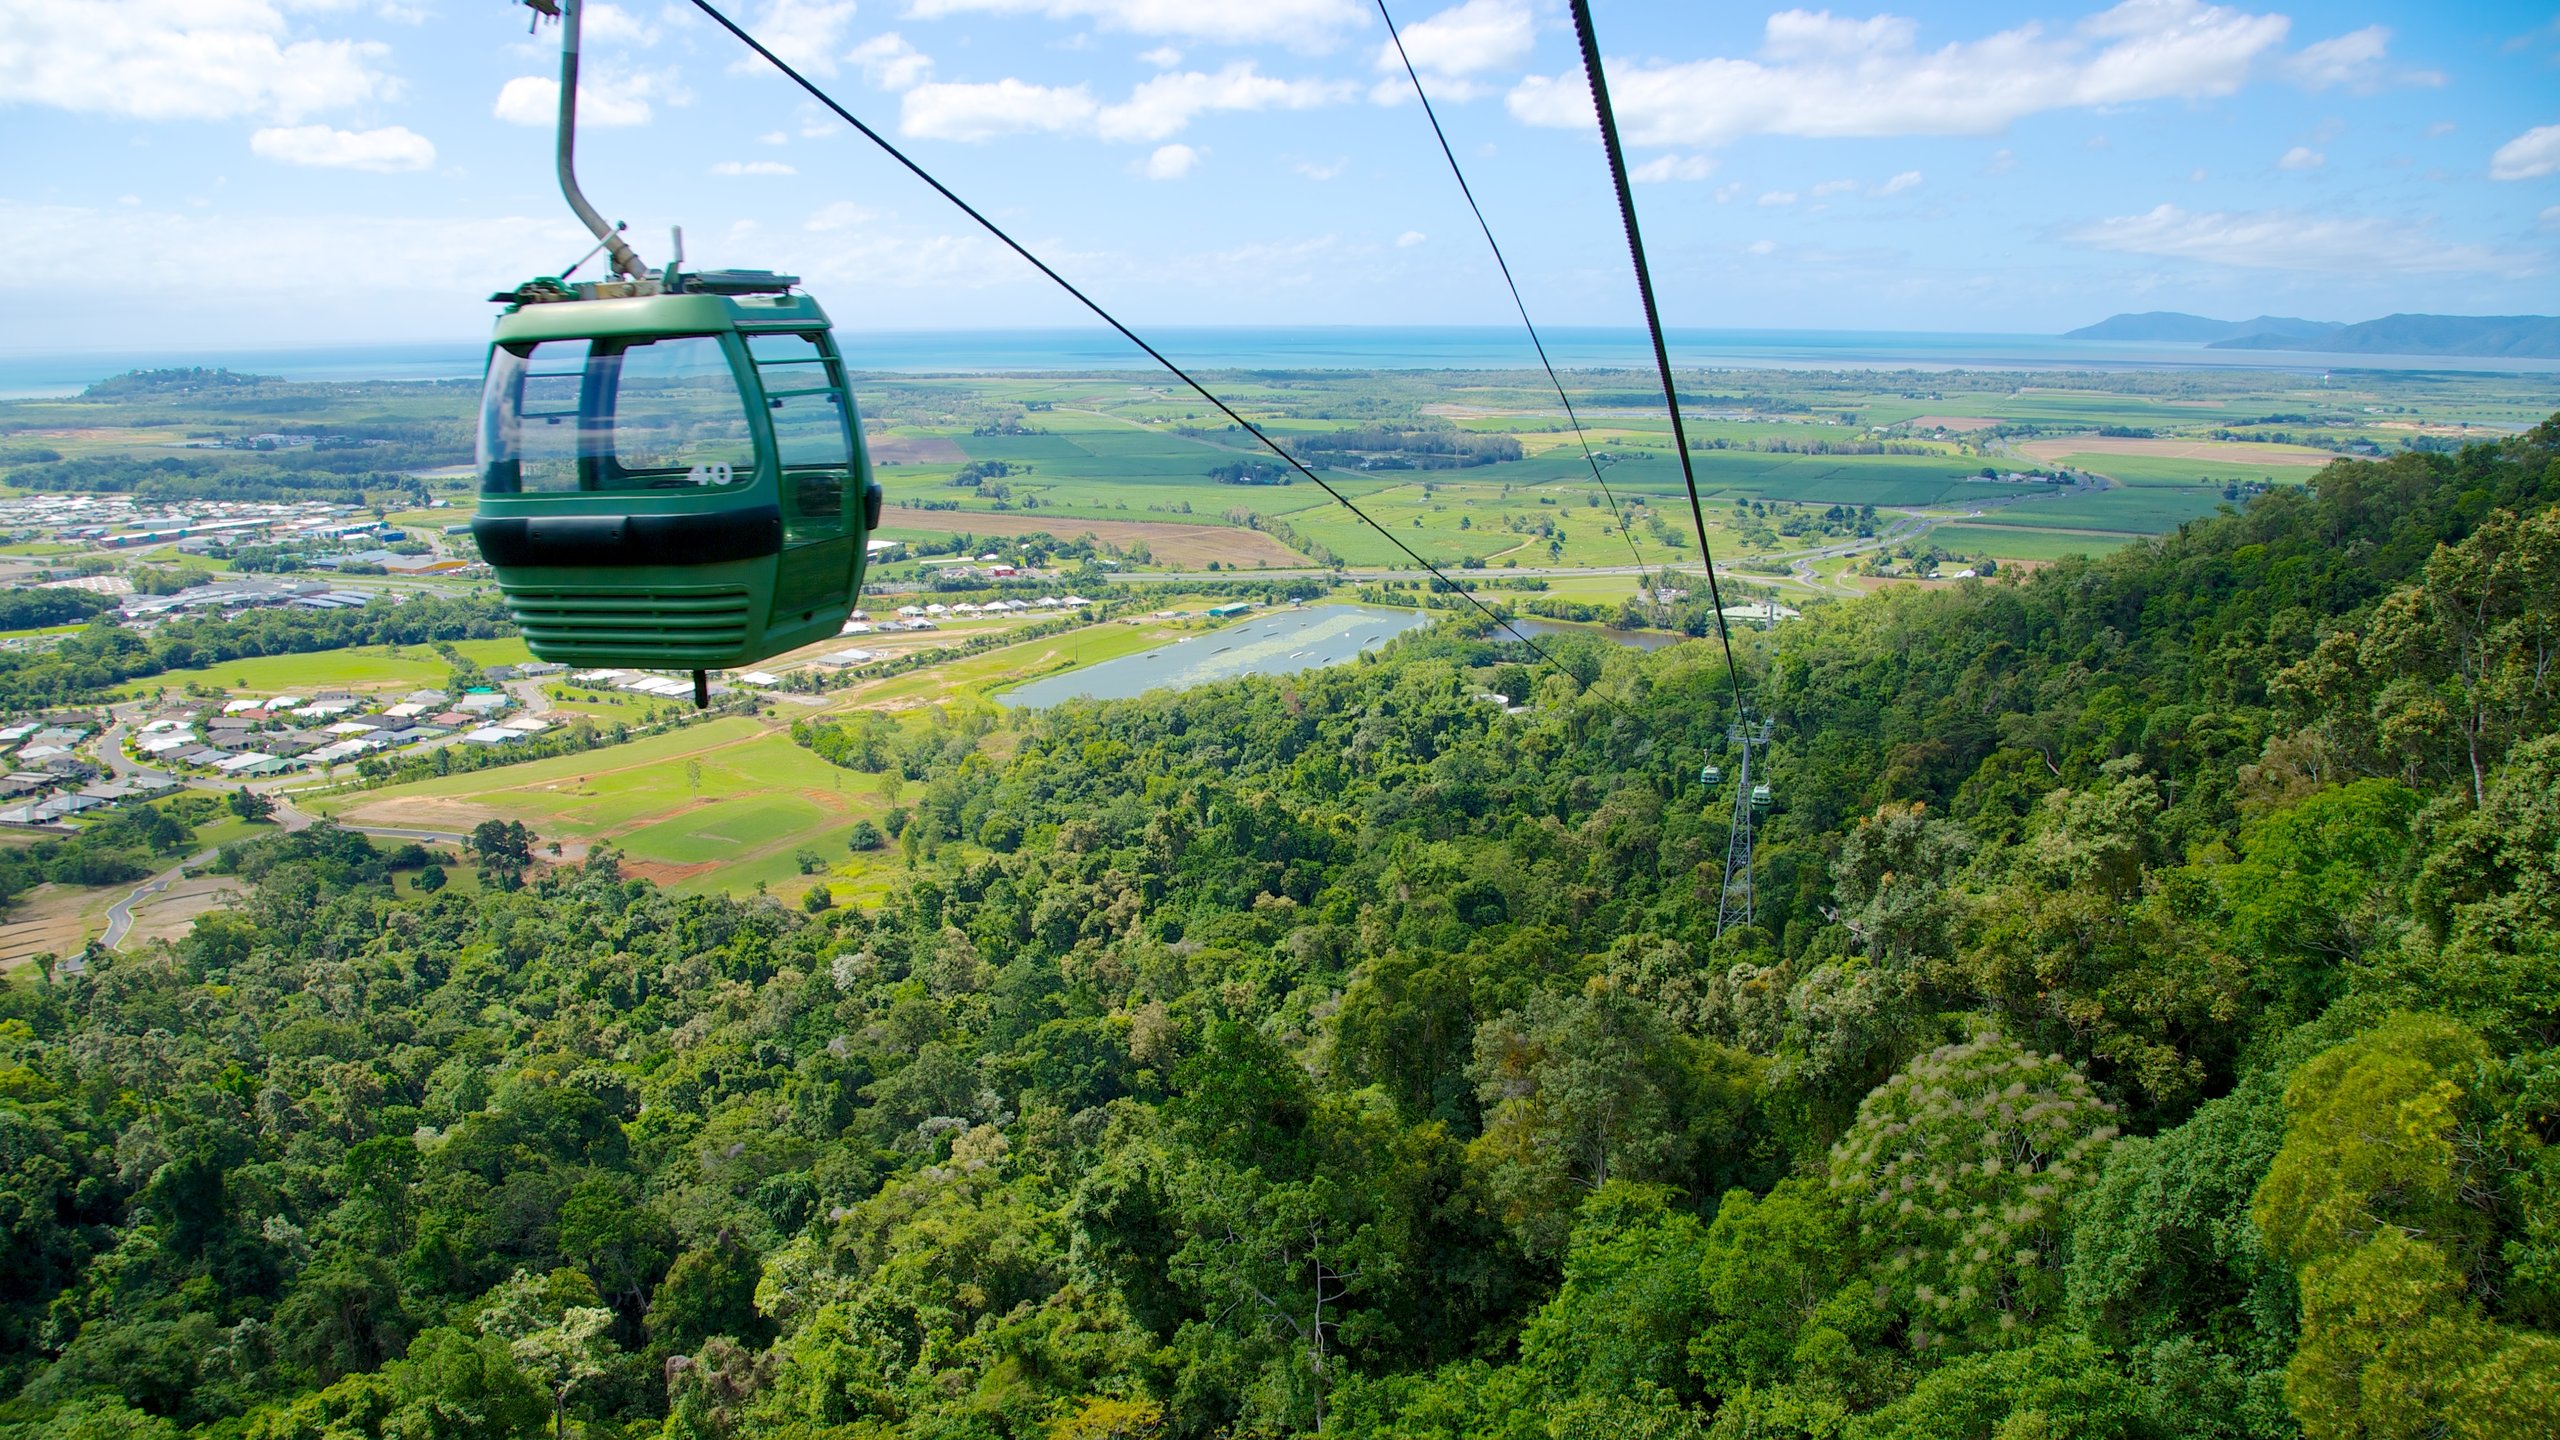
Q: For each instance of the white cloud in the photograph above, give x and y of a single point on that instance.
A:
(2301, 157)
(2441, 129)
(752, 167)
(2288, 240)
(533, 100)
(1465, 39)
(2549, 219)
(1409, 239)
(1303, 24)
(603, 24)
(948, 111)
(1663, 168)
(773, 137)
(1761, 247)
(387, 150)
(890, 63)
(180, 60)
(1163, 57)
(806, 33)
(260, 257)
(1833, 187)
(1826, 77)
(1161, 107)
(606, 98)
(1907, 180)
(2353, 60)
(2529, 156)
(220, 279)
(1330, 171)
(2002, 161)
(1170, 162)
(842, 215)
(1728, 192)
(1778, 197)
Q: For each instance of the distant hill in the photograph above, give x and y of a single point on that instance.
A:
(2171, 325)
(2524, 337)
(184, 381)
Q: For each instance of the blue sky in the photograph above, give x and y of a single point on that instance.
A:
(243, 173)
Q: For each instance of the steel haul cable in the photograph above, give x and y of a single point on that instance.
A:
(1517, 303)
(1203, 391)
(1653, 322)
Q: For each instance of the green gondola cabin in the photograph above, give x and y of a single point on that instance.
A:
(672, 474)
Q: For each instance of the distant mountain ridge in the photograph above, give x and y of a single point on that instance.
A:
(2522, 337)
(2528, 337)
(2172, 325)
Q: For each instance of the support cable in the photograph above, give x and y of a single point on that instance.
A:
(1653, 322)
(1516, 302)
(1203, 391)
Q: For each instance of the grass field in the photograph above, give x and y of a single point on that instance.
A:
(721, 806)
(731, 804)
(364, 668)
(2004, 543)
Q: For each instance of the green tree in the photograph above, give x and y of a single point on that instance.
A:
(2369, 1145)
(505, 851)
(1584, 1089)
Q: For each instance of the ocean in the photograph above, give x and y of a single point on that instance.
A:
(29, 374)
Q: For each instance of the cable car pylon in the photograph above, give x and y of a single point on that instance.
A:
(1736, 903)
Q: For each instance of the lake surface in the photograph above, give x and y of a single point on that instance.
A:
(1268, 642)
(26, 373)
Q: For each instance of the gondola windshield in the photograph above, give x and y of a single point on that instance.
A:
(663, 413)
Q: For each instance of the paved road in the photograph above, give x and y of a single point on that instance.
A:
(120, 914)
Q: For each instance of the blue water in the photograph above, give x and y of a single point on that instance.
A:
(1267, 642)
(1450, 347)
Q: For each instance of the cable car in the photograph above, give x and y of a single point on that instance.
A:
(1711, 775)
(1761, 799)
(672, 473)
(673, 481)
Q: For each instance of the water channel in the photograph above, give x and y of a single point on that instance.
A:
(1267, 642)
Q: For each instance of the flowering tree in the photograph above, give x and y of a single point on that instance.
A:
(1956, 1174)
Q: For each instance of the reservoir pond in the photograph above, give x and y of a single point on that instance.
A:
(1267, 642)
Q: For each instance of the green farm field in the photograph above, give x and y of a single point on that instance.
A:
(2161, 470)
(2129, 509)
(2002, 542)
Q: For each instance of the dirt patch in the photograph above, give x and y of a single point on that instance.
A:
(2224, 452)
(664, 873)
(419, 812)
(915, 450)
(2469, 432)
(1952, 422)
(170, 914)
(58, 919)
(1171, 544)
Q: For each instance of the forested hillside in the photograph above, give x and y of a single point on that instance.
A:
(2149, 1035)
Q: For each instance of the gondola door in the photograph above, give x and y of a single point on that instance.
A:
(805, 400)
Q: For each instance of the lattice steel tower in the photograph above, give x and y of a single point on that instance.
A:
(1751, 795)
